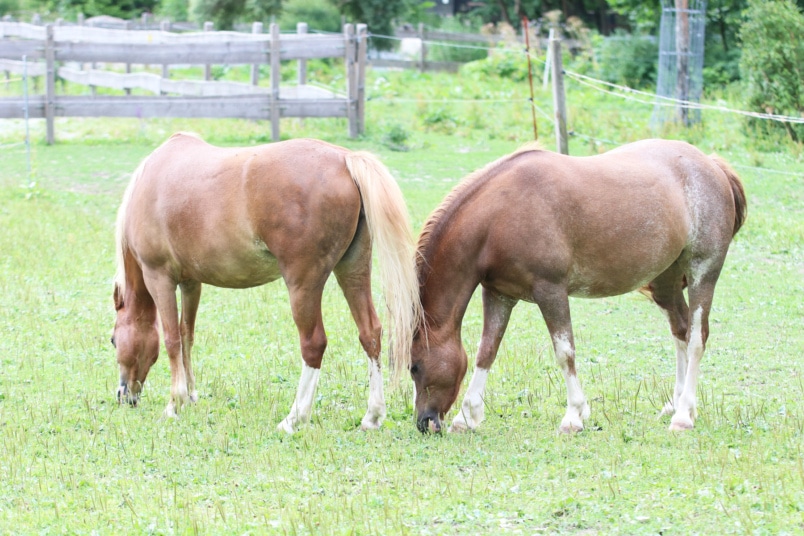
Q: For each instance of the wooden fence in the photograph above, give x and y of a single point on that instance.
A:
(63, 51)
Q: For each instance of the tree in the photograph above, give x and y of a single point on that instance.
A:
(225, 13)
(772, 63)
(379, 15)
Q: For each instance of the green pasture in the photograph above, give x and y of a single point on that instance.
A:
(73, 461)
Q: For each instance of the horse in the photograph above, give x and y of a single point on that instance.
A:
(536, 226)
(239, 217)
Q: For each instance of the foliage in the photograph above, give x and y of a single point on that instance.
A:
(502, 62)
(225, 13)
(174, 10)
(627, 59)
(396, 137)
(321, 15)
(772, 63)
(379, 15)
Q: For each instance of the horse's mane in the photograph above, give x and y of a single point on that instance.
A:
(467, 185)
(120, 235)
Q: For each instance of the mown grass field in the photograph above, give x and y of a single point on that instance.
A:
(73, 461)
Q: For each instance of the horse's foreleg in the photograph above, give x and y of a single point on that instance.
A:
(190, 297)
(163, 289)
(306, 307)
(496, 313)
(554, 305)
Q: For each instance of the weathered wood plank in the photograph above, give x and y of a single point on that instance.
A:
(15, 50)
(31, 68)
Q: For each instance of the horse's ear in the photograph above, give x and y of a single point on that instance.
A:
(118, 298)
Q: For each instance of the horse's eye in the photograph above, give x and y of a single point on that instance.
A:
(112, 341)
(414, 369)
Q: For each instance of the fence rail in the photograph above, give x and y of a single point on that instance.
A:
(52, 51)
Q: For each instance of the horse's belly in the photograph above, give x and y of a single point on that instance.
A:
(242, 270)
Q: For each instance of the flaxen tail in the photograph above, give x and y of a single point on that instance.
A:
(389, 225)
(737, 190)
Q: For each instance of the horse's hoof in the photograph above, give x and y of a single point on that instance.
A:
(367, 425)
(193, 397)
(286, 427)
(459, 427)
(570, 428)
(681, 426)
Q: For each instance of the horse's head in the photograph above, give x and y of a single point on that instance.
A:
(136, 339)
(437, 367)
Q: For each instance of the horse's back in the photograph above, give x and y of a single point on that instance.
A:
(605, 224)
(229, 216)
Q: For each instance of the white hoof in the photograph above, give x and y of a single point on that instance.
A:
(367, 425)
(286, 427)
(681, 423)
(170, 411)
(193, 397)
(571, 426)
(459, 427)
(668, 409)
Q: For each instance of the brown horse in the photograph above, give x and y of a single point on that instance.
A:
(540, 227)
(241, 217)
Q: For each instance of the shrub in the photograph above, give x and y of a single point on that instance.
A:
(628, 59)
(319, 15)
(772, 63)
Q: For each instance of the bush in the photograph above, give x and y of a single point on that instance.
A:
(628, 59)
(319, 15)
(772, 64)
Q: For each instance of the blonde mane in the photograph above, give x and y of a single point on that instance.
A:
(467, 185)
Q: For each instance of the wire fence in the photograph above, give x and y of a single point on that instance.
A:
(602, 86)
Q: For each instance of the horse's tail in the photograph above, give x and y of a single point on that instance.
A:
(121, 246)
(737, 191)
(389, 225)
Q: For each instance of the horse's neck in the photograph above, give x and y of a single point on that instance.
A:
(445, 291)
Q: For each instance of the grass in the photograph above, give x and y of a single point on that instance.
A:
(73, 461)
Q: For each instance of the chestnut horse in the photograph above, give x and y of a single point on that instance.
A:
(241, 217)
(539, 226)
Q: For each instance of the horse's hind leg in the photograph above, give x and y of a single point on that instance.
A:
(496, 313)
(190, 298)
(668, 292)
(305, 303)
(554, 305)
(354, 277)
(701, 291)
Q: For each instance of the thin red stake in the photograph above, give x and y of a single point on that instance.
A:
(530, 77)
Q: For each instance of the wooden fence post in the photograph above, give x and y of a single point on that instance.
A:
(559, 100)
(275, 79)
(208, 27)
(128, 26)
(423, 49)
(165, 27)
(351, 77)
(362, 45)
(256, 29)
(50, 83)
(301, 29)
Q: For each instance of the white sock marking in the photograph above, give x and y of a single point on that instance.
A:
(472, 410)
(303, 404)
(376, 402)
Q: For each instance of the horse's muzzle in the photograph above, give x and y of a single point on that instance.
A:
(429, 422)
(124, 395)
